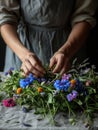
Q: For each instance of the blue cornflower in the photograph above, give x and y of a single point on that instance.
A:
(27, 81)
(66, 86)
(62, 84)
(57, 84)
(22, 83)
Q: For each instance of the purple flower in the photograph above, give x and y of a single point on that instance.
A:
(41, 80)
(66, 76)
(72, 95)
(9, 72)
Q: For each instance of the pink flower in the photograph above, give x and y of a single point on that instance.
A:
(9, 102)
(88, 83)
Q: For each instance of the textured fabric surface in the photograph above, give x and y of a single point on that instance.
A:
(15, 118)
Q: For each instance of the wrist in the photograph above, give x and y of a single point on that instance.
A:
(24, 54)
(67, 49)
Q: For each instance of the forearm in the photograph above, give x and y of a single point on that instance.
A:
(76, 39)
(10, 36)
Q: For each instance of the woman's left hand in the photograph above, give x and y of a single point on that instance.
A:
(60, 63)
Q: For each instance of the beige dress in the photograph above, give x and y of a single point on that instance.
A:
(44, 25)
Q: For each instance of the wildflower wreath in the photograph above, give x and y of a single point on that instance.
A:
(76, 91)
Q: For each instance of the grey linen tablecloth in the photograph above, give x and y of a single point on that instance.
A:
(15, 119)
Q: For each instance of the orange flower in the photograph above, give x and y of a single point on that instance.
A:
(40, 89)
(73, 82)
(19, 90)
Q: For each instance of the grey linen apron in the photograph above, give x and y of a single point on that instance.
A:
(43, 28)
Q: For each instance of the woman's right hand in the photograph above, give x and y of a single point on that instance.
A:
(31, 64)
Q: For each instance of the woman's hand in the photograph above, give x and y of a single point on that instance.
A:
(31, 64)
(60, 63)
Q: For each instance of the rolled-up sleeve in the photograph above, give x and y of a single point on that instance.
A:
(9, 11)
(84, 11)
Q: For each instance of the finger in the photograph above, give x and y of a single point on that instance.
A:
(31, 68)
(25, 70)
(37, 73)
(52, 62)
(65, 68)
(37, 64)
(28, 65)
(58, 66)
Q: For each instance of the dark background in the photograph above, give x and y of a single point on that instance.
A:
(92, 47)
(92, 44)
(2, 53)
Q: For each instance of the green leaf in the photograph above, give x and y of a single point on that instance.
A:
(14, 87)
(50, 98)
(79, 102)
(39, 111)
